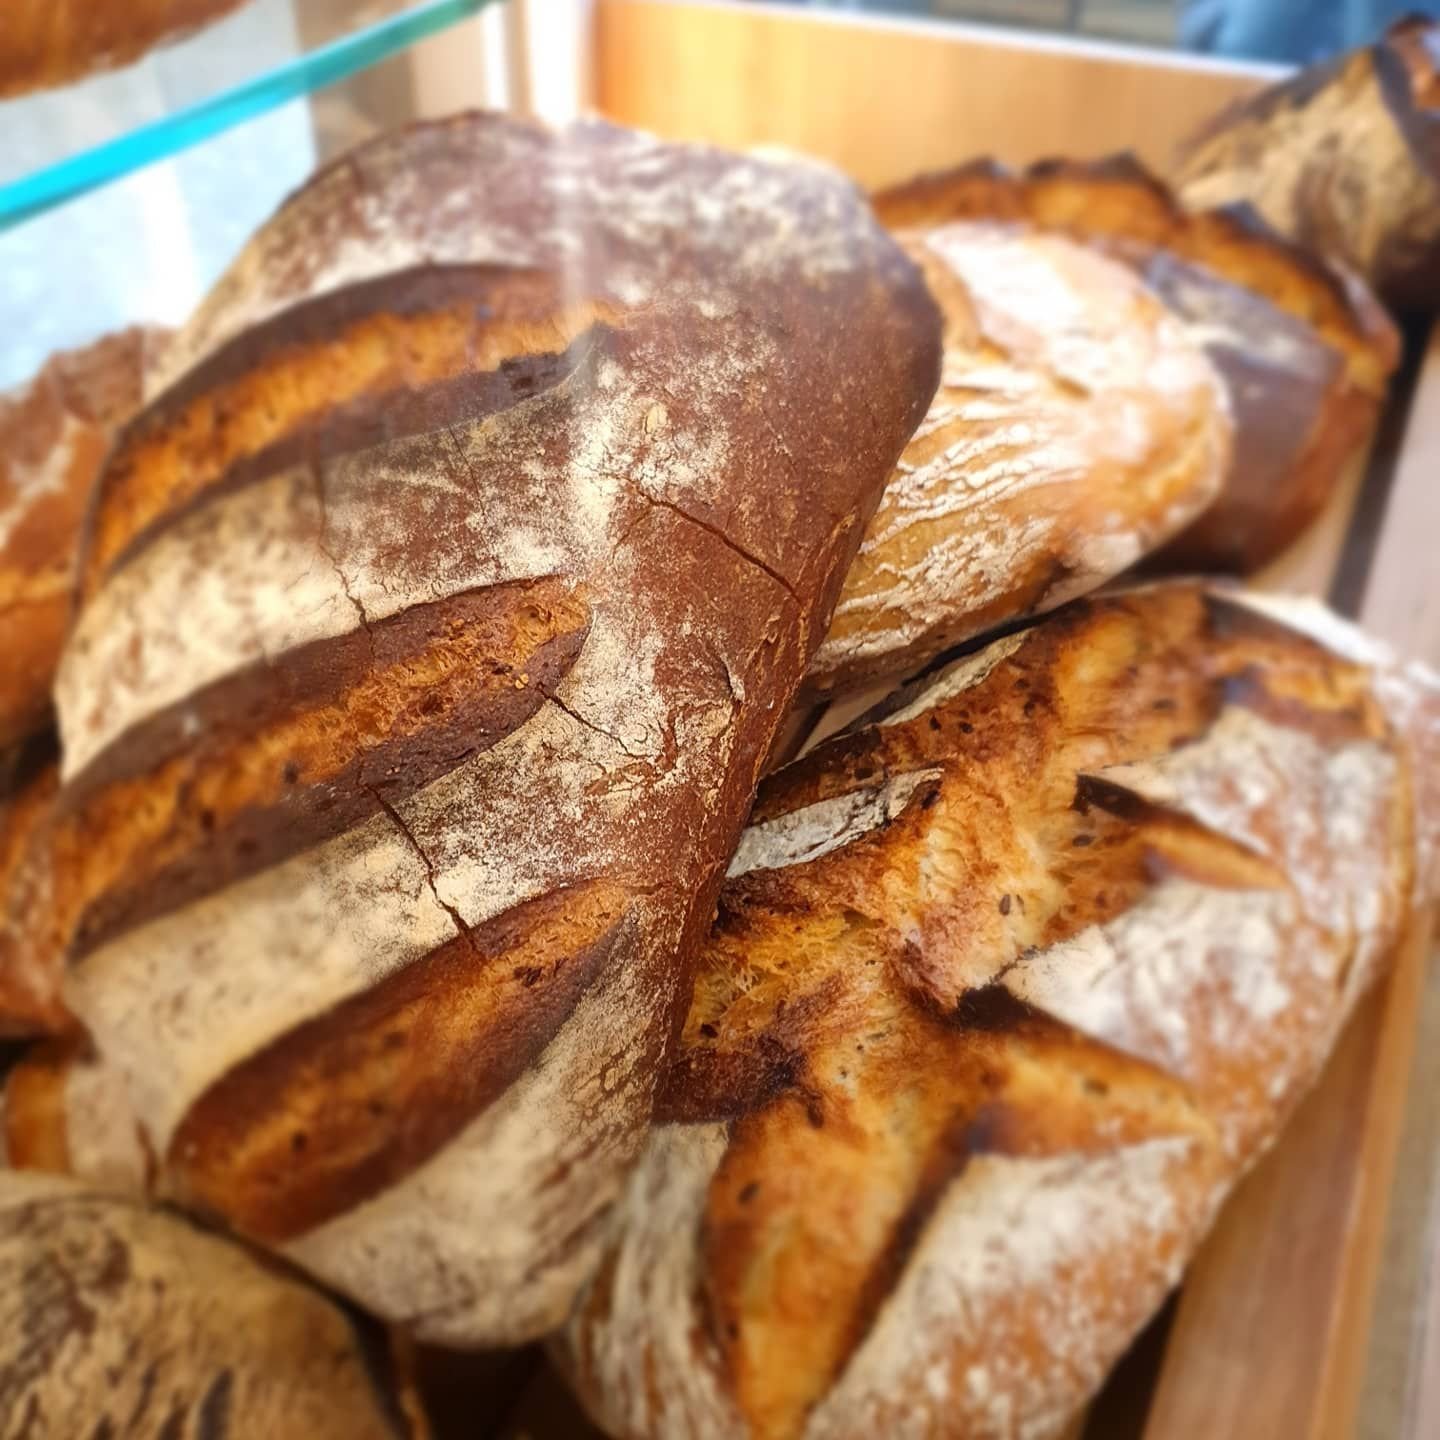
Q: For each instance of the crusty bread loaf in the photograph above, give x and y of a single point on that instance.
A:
(126, 1322)
(1344, 157)
(1304, 351)
(437, 616)
(1076, 427)
(54, 433)
(63, 1111)
(30, 959)
(52, 42)
(1008, 986)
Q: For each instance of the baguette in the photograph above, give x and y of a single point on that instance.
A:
(111, 1328)
(437, 615)
(1304, 351)
(1009, 985)
(1076, 428)
(54, 433)
(1344, 158)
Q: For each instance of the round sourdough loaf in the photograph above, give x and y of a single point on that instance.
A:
(1009, 985)
(436, 617)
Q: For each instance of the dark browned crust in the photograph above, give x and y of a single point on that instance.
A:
(375, 1086)
(466, 711)
(737, 576)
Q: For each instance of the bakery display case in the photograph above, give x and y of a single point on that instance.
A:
(762, 768)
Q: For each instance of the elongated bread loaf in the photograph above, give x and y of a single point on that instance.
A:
(1305, 351)
(437, 616)
(1007, 989)
(1076, 428)
(54, 433)
(1344, 157)
(52, 42)
(127, 1322)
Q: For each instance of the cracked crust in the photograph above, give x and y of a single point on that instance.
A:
(54, 432)
(1076, 428)
(1344, 158)
(438, 615)
(111, 1327)
(1304, 351)
(1014, 982)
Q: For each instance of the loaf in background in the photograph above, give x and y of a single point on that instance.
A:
(437, 616)
(1304, 349)
(54, 432)
(1344, 157)
(1077, 427)
(1008, 987)
(126, 1321)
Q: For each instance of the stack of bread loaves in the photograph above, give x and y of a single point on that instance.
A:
(394, 909)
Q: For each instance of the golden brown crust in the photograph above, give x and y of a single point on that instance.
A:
(128, 1322)
(1344, 158)
(53, 42)
(1076, 428)
(1008, 985)
(54, 432)
(1305, 351)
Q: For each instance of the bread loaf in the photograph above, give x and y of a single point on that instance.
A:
(437, 616)
(1344, 157)
(1305, 352)
(1076, 427)
(52, 42)
(127, 1322)
(1007, 988)
(63, 1111)
(30, 960)
(54, 433)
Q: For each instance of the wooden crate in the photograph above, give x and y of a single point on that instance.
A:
(1272, 1333)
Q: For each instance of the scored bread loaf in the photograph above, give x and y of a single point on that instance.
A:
(1305, 352)
(436, 618)
(52, 42)
(1008, 986)
(1343, 157)
(54, 432)
(1076, 427)
(128, 1322)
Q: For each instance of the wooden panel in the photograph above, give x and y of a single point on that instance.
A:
(883, 99)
